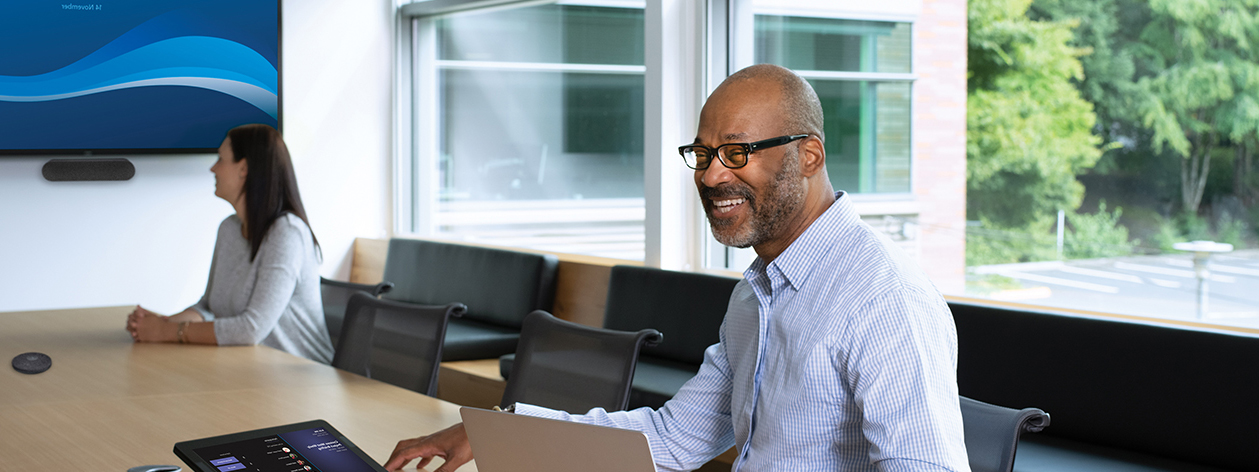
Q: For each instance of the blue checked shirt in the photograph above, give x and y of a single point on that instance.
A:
(837, 355)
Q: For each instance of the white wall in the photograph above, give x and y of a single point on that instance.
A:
(148, 240)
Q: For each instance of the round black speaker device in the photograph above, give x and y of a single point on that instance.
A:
(32, 362)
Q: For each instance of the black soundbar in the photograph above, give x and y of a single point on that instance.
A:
(70, 170)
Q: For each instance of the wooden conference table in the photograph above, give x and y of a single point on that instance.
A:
(108, 404)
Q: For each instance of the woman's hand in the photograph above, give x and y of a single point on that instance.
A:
(146, 326)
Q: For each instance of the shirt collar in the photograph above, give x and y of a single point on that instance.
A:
(801, 256)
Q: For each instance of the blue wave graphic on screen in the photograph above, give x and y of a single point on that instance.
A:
(190, 61)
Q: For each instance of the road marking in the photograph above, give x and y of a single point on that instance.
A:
(1063, 282)
(1165, 283)
(1188, 274)
(1101, 274)
(1232, 314)
(1216, 268)
(1034, 293)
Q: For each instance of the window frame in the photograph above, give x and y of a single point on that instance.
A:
(691, 48)
(666, 71)
(738, 50)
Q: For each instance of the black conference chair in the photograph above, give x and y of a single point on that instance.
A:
(336, 295)
(992, 433)
(572, 367)
(394, 342)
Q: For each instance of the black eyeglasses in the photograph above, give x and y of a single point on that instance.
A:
(732, 155)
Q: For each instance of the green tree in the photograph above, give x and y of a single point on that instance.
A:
(1108, 82)
(1029, 133)
(1176, 75)
(1200, 53)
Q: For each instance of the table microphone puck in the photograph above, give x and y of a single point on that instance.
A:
(32, 362)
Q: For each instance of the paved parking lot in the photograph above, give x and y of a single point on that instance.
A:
(1163, 286)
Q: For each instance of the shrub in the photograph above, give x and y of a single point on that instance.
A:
(1096, 235)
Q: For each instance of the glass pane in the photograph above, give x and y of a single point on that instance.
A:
(510, 135)
(867, 135)
(833, 45)
(548, 34)
(891, 145)
(548, 157)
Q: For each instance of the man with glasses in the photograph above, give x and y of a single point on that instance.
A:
(836, 353)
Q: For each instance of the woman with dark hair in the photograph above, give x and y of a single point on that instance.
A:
(264, 278)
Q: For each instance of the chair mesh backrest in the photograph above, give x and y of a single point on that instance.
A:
(336, 295)
(571, 367)
(992, 433)
(688, 307)
(394, 342)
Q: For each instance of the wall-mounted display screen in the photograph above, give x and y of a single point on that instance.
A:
(135, 76)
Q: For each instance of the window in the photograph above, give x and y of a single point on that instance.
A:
(1079, 197)
(538, 128)
(551, 126)
(861, 72)
(538, 125)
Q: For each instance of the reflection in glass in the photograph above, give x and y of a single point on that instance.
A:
(540, 129)
(826, 44)
(509, 135)
(558, 34)
(867, 121)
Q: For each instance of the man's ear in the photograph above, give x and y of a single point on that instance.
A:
(812, 156)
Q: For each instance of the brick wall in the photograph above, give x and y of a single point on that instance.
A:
(939, 172)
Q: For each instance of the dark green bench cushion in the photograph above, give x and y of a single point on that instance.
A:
(499, 287)
(1175, 393)
(686, 307)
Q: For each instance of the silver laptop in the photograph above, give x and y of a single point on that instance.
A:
(506, 442)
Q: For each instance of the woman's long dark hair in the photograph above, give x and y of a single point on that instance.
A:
(270, 185)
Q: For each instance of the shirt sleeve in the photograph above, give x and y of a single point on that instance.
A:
(902, 370)
(279, 262)
(689, 430)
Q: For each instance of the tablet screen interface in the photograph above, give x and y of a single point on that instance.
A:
(313, 450)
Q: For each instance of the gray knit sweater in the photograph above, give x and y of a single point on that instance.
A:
(273, 300)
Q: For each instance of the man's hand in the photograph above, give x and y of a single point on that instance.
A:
(451, 444)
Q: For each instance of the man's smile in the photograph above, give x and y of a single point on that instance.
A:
(727, 205)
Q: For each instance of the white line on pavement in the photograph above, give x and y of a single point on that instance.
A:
(1101, 274)
(1188, 274)
(1063, 282)
(1215, 267)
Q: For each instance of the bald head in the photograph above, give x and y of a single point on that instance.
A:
(798, 103)
(769, 200)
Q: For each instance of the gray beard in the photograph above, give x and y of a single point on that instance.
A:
(782, 200)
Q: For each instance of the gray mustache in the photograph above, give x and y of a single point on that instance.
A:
(726, 191)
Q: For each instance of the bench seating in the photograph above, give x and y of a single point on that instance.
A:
(499, 287)
(1153, 397)
(686, 307)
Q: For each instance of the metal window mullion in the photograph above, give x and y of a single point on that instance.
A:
(404, 130)
(673, 35)
(854, 76)
(540, 67)
(433, 8)
(427, 143)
